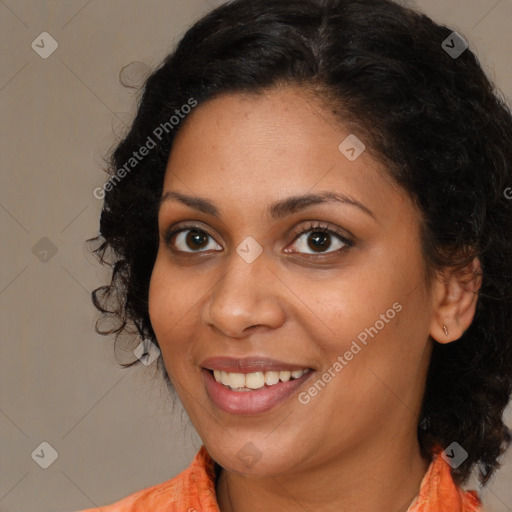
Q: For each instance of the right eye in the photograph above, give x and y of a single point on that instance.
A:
(188, 237)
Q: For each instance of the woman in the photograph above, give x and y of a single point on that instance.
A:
(309, 219)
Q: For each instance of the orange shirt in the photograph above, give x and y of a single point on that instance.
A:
(193, 490)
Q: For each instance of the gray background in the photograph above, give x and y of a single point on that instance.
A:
(114, 430)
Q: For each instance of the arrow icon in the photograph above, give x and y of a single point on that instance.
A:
(352, 147)
(455, 45)
(44, 455)
(44, 250)
(44, 45)
(454, 455)
(249, 454)
(146, 352)
(249, 249)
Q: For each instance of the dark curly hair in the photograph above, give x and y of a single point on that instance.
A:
(436, 121)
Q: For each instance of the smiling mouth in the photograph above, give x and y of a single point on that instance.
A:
(255, 380)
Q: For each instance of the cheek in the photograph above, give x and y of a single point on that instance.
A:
(157, 298)
(174, 308)
(376, 313)
(166, 304)
(353, 300)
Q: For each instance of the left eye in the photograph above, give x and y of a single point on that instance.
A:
(319, 239)
(195, 237)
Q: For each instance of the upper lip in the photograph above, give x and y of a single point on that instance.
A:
(249, 364)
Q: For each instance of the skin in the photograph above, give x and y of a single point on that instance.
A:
(354, 445)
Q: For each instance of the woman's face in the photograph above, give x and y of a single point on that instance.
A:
(352, 305)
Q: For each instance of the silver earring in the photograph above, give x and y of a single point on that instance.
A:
(445, 330)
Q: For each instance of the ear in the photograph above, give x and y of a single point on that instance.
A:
(455, 295)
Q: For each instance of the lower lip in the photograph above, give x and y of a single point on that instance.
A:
(250, 402)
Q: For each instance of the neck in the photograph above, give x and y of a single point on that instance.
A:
(363, 482)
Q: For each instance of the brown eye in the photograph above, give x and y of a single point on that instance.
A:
(190, 240)
(320, 239)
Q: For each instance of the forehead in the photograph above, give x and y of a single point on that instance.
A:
(256, 148)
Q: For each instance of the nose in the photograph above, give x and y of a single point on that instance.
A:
(248, 295)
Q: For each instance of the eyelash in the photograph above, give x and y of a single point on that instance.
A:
(312, 227)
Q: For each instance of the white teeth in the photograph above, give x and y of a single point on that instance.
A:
(255, 380)
(285, 376)
(271, 378)
(236, 380)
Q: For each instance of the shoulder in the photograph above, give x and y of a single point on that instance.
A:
(192, 489)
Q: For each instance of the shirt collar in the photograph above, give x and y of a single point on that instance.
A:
(438, 492)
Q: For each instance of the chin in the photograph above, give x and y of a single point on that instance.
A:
(255, 459)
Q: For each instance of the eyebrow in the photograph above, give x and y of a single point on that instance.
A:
(277, 210)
